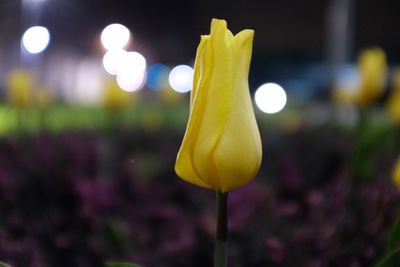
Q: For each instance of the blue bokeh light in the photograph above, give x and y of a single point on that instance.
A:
(157, 77)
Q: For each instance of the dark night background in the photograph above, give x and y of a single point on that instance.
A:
(171, 28)
(289, 34)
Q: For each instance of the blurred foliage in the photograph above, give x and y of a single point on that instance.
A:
(392, 260)
(58, 118)
(392, 257)
(369, 142)
(81, 185)
(394, 236)
(104, 190)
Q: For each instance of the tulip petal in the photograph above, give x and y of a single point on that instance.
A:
(211, 104)
(238, 153)
(214, 100)
(184, 165)
(198, 69)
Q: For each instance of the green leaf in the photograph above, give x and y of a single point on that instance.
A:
(368, 144)
(391, 260)
(115, 237)
(2, 264)
(394, 236)
(120, 264)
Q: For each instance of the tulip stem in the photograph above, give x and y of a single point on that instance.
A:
(221, 240)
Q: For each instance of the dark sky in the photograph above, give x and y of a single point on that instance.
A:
(169, 30)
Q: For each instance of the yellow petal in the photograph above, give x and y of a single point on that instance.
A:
(396, 173)
(198, 70)
(238, 153)
(184, 165)
(244, 43)
(211, 104)
(214, 101)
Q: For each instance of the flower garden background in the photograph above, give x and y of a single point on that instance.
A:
(107, 190)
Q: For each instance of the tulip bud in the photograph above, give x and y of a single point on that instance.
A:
(20, 83)
(373, 70)
(393, 104)
(396, 173)
(221, 148)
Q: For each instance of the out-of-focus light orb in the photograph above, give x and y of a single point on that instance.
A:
(115, 36)
(348, 77)
(36, 39)
(157, 77)
(270, 98)
(181, 78)
(113, 59)
(131, 74)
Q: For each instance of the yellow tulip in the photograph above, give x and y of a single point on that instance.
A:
(343, 96)
(396, 173)
(393, 104)
(114, 97)
(373, 69)
(221, 148)
(20, 83)
(43, 97)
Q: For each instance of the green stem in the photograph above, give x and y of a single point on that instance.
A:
(221, 240)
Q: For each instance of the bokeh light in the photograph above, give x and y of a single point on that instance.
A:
(113, 59)
(181, 78)
(348, 77)
(157, 77)
(131, 74)
(36, 39)
(270, 98)
(346, 85)
(88, 83)
(115, 36)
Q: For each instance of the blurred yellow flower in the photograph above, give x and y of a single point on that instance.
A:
(169, 96)
(221, 148)
(393, 104)
(373, 68)
(19, 88)
(369, 85)
(43, 97)
(344, 96)
(396, 173)
(114, 98)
